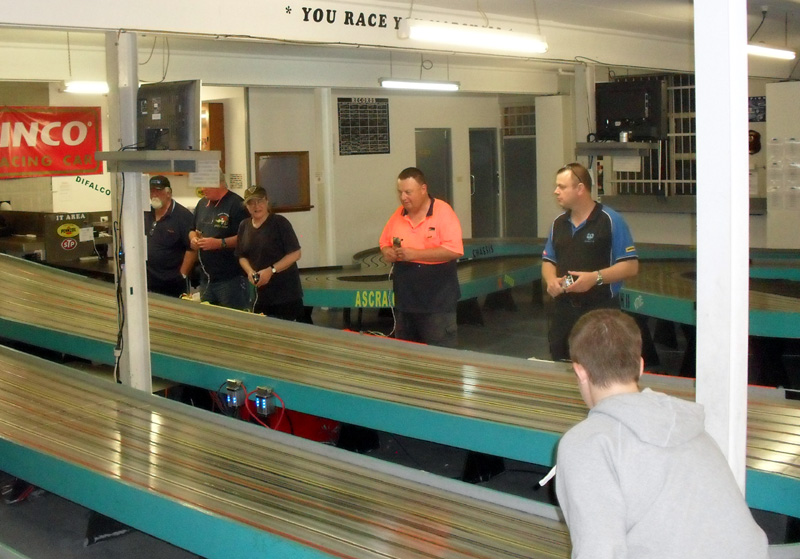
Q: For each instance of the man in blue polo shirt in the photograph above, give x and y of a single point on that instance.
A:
(170, 259)
(588, 254)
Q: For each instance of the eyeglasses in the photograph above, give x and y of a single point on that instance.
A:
(571, 168)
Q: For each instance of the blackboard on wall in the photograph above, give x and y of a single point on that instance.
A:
(363, 125)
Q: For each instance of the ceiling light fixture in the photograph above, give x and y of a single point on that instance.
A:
(770, 52)
(485, 39)
(427, 85)
(96, 88)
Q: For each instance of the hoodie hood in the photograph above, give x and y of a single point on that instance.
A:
(655, 418)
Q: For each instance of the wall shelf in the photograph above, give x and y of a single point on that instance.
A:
(155, 161)
(611, 149)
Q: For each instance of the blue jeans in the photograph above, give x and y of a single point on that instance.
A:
(231, 293)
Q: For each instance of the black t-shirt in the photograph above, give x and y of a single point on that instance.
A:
(263, 247)
(167, 243)
(220, 219)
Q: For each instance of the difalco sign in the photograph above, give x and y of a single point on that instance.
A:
(49, 141)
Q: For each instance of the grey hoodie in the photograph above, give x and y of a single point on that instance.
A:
(640, 478)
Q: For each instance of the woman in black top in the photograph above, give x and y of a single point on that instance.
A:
(268, 251)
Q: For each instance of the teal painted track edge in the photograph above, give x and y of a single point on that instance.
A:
(761, 272)
(509, 441)
(774, 324)
(8, 553)
(658, 306)
(500, 439)
(93, 350)
(186, 526)
(773, 492)
(347, 298)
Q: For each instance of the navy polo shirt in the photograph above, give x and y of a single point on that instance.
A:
(599, 242)
(167, 243)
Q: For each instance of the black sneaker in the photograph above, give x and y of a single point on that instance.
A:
(16, 490)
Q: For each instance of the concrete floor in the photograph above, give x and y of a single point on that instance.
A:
(46, 526)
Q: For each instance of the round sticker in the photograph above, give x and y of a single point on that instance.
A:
(68, 230)
(69, 244)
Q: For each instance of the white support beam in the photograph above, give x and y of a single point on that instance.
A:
(124, 83)
(323, 99)
(722, 223)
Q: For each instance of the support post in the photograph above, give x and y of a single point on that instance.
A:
(722, 224)
(130, 188)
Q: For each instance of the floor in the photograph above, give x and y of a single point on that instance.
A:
(45, 526)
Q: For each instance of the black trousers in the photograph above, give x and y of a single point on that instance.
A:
(565, 315)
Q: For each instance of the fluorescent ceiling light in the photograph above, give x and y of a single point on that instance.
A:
(98, 88)
(472, 36)
(769, 52)
(397, 83)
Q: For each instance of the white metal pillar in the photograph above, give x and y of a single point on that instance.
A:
(324, 175)
(124, 83)
(722, 223)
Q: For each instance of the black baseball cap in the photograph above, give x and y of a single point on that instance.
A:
(159, 182)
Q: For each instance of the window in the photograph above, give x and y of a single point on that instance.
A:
(285, 177)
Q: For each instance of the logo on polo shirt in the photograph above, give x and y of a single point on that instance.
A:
(221, 221)
(589, 238)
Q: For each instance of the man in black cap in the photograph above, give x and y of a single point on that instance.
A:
(170, 258)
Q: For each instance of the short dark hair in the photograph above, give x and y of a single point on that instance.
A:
(581, 173)
(608, 344)
(412, 173)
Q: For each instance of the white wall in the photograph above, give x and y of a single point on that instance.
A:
(282, 119)
(555, 147)
(365, 185)
(783, 164)
(364, 195)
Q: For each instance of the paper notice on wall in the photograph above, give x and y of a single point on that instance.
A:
(627, 164)
(206, 175)
(236, 181)
(753, 182)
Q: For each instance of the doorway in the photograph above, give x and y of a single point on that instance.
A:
(519, 164)
(484, 184)
(434, 158)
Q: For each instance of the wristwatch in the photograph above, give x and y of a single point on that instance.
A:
(274, 271)
(599, 278)
(224, 242)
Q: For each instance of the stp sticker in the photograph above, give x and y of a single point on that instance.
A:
(68, 230)
(69, 244)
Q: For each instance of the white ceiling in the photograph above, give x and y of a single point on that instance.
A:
(671, 19)
(663, 18)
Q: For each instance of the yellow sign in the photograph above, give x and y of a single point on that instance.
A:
(68, 230)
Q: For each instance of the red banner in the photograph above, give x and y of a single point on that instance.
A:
(49, 141)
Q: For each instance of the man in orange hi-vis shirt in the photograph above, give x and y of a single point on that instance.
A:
(422, 239)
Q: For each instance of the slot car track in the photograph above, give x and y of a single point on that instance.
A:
(507, 407)
(217, 486)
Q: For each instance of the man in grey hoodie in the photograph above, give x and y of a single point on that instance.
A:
(640, 477)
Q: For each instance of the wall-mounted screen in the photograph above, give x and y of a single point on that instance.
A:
(168, 115)
(636, 107)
